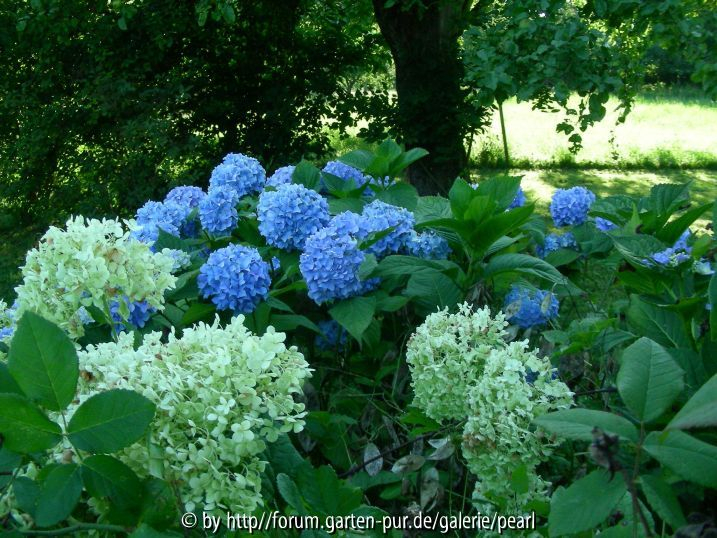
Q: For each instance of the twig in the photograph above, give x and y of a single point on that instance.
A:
(356, 468)
(596, 391)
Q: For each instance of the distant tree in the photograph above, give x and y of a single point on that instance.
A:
(537, 50)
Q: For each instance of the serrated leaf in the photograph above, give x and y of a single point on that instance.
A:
(43, 362)
(659, 324)
(649, 380)
(59, 493)
(25, 428)
(354, 314)
(108, 478)
(110, 421)
(523, 264)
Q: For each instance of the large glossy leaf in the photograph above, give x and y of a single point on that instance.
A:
(598, 491)
(649, 380)
(25, 428)
(354, 314)
(579, 423)
(687, 456)
(432, 208)
(7, 383)
(524, 264)
(659, 324)
(433, 290)
(712, 294)
(43, 362)
(110, 421)
(701, 410)
(401, 195)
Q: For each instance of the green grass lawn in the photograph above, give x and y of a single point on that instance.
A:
(666, 129)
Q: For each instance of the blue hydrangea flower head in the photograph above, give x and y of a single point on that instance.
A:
(675, 255)
(235, 278)
(332, 336)
(379, 216)
(290, 214)
(345, 172)
(570, 207)
(153, 216)
(139, 313)
(187, 196)
(428, 245)
(553, 242)
(349, 223)
(6, 333)
(282, 176)
(218, 213)
(519, 200)
(527, 308)
(604, 225)
(240, 173)
(330, 266)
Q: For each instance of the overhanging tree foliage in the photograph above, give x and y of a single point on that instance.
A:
(106, 104)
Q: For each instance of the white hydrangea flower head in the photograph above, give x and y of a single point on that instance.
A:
(446, 354)
(221, 393)
(464, 369)
(89, 263)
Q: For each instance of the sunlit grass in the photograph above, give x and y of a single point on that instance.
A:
(666, 129)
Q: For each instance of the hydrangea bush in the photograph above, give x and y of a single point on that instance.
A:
(463, 370)
(210, 305)
(221, 393)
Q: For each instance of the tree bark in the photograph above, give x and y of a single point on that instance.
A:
(431, 104)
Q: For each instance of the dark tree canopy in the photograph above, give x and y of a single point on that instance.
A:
(102, 108)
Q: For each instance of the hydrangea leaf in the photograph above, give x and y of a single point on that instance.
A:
(658, 324)
(354, 314)
(662, 499)
(108, 478)
(649, 379)
(110, 421)
(43, 362)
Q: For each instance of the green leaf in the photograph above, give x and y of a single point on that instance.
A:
(659, 324)
(406, 158)
(398, 265)
(359, 159)
(432, 208)
(159, 504)
(367, 266)
(106, 477)
(401, 195)
(712, 294)
(700, 411)
(110, 421)
(662, 499)
(289, 322)
(500, 189)
(290, 492)
(24, 427)
(391, 304)
(524, 264)
(7, 383)
(460, 197)
(519, 481)
(672, 230)
(433, 289)
(339, 205)
(649, 379)
(26, 493)
(43, 362)
(597, 491)
(58, 496)
(307, 174)
(198, 312)
(578, 424)
(688, 457)
(354, 314)
(635, 248)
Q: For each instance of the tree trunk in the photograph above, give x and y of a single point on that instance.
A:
(424, 46)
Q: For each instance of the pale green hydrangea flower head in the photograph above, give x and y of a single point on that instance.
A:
(463, 369)
(222, 393)
(90, 262)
